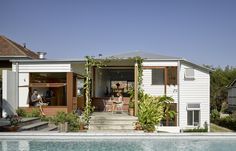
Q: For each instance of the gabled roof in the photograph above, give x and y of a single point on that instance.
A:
(11, 49)
(232, 84)
(144, 55)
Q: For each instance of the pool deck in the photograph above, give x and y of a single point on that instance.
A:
(113, 135)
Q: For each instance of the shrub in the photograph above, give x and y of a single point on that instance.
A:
(224, 107)
(233, 115)
(151, 110)
(14, 120)
(72, 119)
(21, 112)
(215, 115)
(34, 113)
(198, 129)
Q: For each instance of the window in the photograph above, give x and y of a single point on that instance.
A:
(193, 114)
(157, 76)
(172, 75)
(80, 87)
(189, 73)
(193, 117)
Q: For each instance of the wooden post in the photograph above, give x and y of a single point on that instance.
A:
(69, 91)
(136, 89)
(94, 81)
(166, 76)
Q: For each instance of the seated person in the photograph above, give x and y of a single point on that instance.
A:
(120, 97)
(37, 100)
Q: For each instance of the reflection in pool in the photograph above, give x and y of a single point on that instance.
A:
(119, 145)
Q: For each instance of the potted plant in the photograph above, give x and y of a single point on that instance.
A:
(131, 107)
(15, 120)
(138, 126)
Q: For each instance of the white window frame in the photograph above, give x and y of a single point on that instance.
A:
(163, 78)
(189, 77)
(194, 107)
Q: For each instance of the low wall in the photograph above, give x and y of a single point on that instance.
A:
(99, 106)
(48, 110)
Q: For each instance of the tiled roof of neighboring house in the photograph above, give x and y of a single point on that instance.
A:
(11, 49)
(144, 55)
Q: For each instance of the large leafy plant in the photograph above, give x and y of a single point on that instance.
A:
(72, 119)
(152, 110)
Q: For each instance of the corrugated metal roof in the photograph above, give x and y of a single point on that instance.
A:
(144, 55)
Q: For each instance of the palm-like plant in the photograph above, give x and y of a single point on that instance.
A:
(152, 110)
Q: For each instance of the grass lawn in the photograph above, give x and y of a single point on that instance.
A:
(216, 128)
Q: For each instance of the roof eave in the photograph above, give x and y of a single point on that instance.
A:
(46, 60)
(199, 66)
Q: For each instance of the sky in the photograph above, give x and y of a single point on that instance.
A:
(201, 31)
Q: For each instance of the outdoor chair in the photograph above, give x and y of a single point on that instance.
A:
(106, 105)
(118, 107)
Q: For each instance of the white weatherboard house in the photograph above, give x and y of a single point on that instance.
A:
(232, 95)
(186, 82)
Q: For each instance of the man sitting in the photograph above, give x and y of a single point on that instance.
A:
(37, 100)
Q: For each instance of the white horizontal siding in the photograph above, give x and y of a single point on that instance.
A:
(232, 96)
(158, 90)
(42, 67)
(23, 89)
(160, 63)
(172, 91)
(194, 91)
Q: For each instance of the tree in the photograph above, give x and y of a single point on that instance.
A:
(220, 79)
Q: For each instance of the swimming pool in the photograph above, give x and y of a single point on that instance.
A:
(120, 143)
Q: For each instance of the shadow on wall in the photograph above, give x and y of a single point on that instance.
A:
(7, 109)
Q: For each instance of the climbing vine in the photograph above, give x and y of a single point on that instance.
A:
(90, 62)
(139, 61)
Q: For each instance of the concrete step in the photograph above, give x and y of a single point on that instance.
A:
(30, 120)
(112, 122)
(113, 118)
(111, 127)
(49, 128)
(34, 126)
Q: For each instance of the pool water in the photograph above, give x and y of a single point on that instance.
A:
(120, 145)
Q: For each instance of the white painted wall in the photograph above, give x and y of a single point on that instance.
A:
(194, 91)
(26, 68)
(9, 102)
(43, 67)
(232, 96)
(160, 63)
(23, 89)
(158, 90)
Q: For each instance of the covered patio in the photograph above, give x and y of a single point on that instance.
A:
(110, 81)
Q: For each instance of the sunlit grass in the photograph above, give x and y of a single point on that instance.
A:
(216, 128)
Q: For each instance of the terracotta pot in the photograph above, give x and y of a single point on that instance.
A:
(131, 111)
(81, 127)
(10, 128)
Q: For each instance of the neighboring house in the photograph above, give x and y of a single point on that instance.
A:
(232, 96)
(10, 50)
(186, 82)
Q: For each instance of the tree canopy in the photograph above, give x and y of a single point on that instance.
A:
(220, 79)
